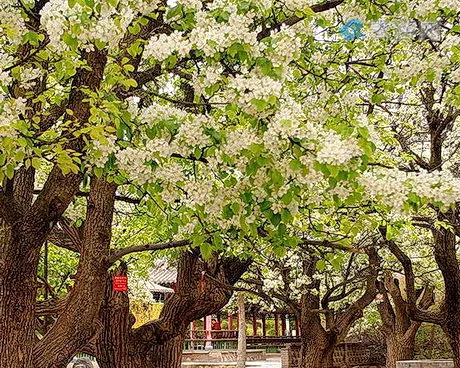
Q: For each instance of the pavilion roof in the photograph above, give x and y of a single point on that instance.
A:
(163, 273)
(155, 288)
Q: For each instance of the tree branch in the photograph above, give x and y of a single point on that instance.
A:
(437, 317)
(119, 253)
(317, 8)
(346, 319)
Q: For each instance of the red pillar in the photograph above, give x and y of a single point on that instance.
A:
(254, 324)
(264, 326)
(283, 325)
(277, 330)
(230, 322)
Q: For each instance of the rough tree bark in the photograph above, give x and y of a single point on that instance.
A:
(78, 323)
(201, 290)
(398, 327)
(25, 224)
(448, 314)
(439, 124)
(318, 342)
(445, 253)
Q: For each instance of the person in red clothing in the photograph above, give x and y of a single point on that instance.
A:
(216, 324)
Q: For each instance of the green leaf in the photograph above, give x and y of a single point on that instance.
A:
(279, 250)
(321, 265)
(135, 28)
(377, 98)
(206, 250)
(70, 41)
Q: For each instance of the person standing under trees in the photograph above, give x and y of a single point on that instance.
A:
(216, 324)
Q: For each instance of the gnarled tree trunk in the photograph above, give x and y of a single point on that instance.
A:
(445, 253)
(399, 349)
(398, 327)
(78, 322)
(165, 355)
(18, 287)
(318, 342)
(201, 290)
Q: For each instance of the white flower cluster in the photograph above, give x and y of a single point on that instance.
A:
(133, 162)
(393, 187)
(440, 186)
(156, 112)
(272, 284)
(10, 109)
(423, 8)
(286, 46)
(191, 133)
(319, 58)
(12, 21)
(5, 61)
(209, 36)
(29, 76)
(161, 146)
(296, 5)
(160, 47)
(100, 151)
(337, 151)
(289, 121)
(450, 4)
(108, 25)
(192, 4)
(207, 77)
(455, 75)
(239, 139)
(244, 88)
(199, 192)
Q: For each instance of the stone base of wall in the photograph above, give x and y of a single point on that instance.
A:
(217, 356)
(346, 355)
(441, 363)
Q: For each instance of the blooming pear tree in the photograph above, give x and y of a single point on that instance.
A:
(326, 288)
(234, 118)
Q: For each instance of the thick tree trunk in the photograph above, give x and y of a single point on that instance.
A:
(78, 322)
(241, 356)
(398, 348)
(445, 253)
(317, 344)
(111, 346)
(18, 287)
(159, 344)
(316, 355)
(165, 355)
(452, 331)
(112, 342)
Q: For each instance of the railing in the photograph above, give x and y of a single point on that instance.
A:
(84, 355)
(203, 344)
(228, 340)
(215, 334)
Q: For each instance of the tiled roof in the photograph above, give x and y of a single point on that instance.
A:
(155, 288)
(163, 273)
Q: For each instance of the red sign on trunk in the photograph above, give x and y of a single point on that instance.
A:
(120, 283)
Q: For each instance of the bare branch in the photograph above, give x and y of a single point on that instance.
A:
(119, 253)
(437, 317)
